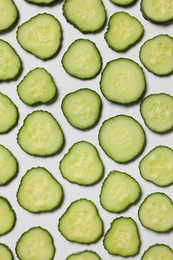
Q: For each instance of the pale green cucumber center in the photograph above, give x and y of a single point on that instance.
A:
(84, 256)
(8, 13)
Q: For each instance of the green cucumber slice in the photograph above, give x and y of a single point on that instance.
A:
(157, 112)
(123, 3)
(5, 252)
(40, 134)
(122, 81)
(119, 191)
(122, 138)
(9, 15)
(156, 55)
(36, 244)
(81, 222)
(7, 216)
(157, 251)
(156, 212)
(157, 166)
(87, 16)
(40, 36)
(82, 164)
(157, 11)
(37, 87)
(82, 108)
(123, 31)
(8, 166)
(9, 114)
(39, 191)
(84, 255)
(41, 2)
(82, 59)
(10, 62)
(122, 238)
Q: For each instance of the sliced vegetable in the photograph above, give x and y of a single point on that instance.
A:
(9, 15)
(123, 3)
(84, 255)
(41, 2)
(158, 251)
(5, 252)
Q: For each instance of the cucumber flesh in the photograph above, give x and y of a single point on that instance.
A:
(81, 222)
(123, 31)
(39, 191)
(10, 62)
(157, 11)
(84, 255)
(36, 87)
(9, 14)
(8, 166)
(5, 252)
(156, 212)
(40, 134)
(82, 108)
(41, 2)
(82, 59)
(122, 238)
(122, 81)
(157, 166)
(123, 2)
(119, 191)
(8, 114)
(40, 36)
(7, 216)
(158, 251)
(122, 138)
(36, 244)
(156, 54)
(157, 112)
(82, 164)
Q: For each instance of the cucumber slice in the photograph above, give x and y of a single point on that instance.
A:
(36, 244)
(82, 164)
(158, 251)
(37, 87)
(122, 138)
(122, 238)
(87, 16)
(122, 81)
(157, 11)
(123, 3)
(41, 2)
(84, 255)
(40, 134)
(119, 191)
(123, 31)
(8, 166)
(82, 108)
(9, 15)
(39, 191)
(82, 59)
(156, 212)
(7, 216)
(10, 62)
(5, 252)
(157, 112)
(156, 55)
(9, 114)
(157, 166)
(40, 36)
(81, 222)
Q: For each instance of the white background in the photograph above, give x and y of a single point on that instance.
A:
(66, 84)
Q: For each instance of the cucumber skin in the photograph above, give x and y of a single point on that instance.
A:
(101, 234)
(78, 253)
(38, 212)
(9, 250)
(159, 232)
(15, 217)
(153, 181)
(151, 20)
(154, 246)
(86, 31)
(160, 75)
(43, 4)
(131, 3)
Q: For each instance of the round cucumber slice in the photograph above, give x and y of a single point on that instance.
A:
(5, 252)
(156, 212)
(157, 166)
(157, 112)
(40, 134)
(40, 36)
(41, 2)
(9, 15)
(122, 138)
(82, 59)
(157, 251)
(156, 55)
(123, 3)
(82, 108)
(84, 255)
(122, 81)
(35, 243)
